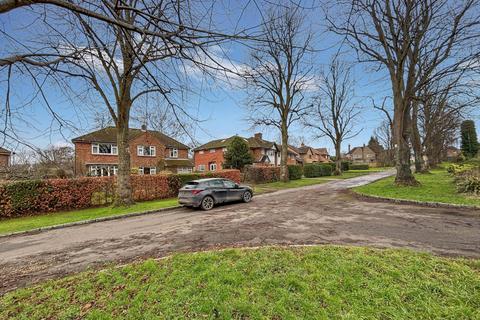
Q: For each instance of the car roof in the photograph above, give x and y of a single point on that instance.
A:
(208, 179)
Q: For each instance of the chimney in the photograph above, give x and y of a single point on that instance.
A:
(144, 128)
(349, 148)
(258, 135)
(303, 144)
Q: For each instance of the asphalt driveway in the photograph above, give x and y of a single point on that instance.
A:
(320, 214)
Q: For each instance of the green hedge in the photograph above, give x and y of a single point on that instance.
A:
(295, 172)
(345, 165)
(314, 170)
(359, 167)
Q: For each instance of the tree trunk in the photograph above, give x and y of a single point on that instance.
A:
(284, 155)
(338, 160)
(124, 187)
(402, 150)
(416, 141)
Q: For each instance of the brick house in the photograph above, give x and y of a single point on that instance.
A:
(362, 155)
(96, 153)
(293, 156)
(210, 156)
(311, 155)
(4, 157)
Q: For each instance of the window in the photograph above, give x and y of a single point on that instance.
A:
(212, 150)
(224, 149)
(201, 167)
(147, 170)
(215, 183)
(229, 184)
(148, 151)
(174, 153)
(200, 152)
(102, 170)
(213, 166)
(104, 148)
(184, 170)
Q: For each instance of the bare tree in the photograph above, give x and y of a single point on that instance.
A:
(398, 34)
(383, 133)
(120, 52)
(279, 75)
(334, 112)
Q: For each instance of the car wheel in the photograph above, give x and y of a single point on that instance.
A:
(207, 203)
(247, 196)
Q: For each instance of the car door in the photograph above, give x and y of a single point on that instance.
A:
(234, 193)
(219, 192)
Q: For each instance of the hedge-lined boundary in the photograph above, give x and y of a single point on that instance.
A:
(30, 197)
(314, 170)
(261, 174)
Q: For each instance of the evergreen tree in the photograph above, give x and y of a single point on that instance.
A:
(469, 139)
(238, 154)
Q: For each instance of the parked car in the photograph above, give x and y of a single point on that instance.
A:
(206, 193)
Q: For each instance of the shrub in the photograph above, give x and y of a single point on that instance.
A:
(295, 172)
(345, 165)
(38, 196)
(359, 167)
(261, 174)
(314, 170)
(469, 183)
(310, 170)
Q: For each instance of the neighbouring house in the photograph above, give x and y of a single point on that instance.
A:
(293, 156)
(4, 157)
(210, 156)
(312, 155)
(362, 155)
(96, 153)
(451, 153)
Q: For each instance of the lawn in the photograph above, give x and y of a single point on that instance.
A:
(438, 186)
(45, 220)
(326, 282)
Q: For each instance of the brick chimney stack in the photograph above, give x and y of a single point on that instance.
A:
(258, 135)
(144, 128)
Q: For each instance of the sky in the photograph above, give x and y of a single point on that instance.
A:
(220, 107)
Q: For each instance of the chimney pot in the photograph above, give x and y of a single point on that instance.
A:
(144, 128)
(258, 135)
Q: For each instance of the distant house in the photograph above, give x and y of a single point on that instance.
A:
(311, 155)
(4, 157)
(362, 155)
(294, 156)
(451, 153)
(210, 156)
(96, 153)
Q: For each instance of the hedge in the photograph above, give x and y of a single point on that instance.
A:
(359, 167)
(261, 174)
(313, 170)
(295, 172)
(30, 197)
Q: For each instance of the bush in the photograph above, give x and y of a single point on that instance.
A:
(38, 196)
(314, 170)
(469, 183)
(359, 167)
(345, 165)
(261, 174)
(295, 172)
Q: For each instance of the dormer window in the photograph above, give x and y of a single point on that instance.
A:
(174, 153)
(148, 151)
(104, 148)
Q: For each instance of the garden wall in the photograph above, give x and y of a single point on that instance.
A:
(31, 197)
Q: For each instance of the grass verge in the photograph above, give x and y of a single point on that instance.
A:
(438, 186)
(56, 218)
(325, 282)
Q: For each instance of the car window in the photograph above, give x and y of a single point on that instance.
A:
(215, 184)
(191, 185)
(229, 184)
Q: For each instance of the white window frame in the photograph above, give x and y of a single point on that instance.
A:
(140, 170)
(184, 170)
(174, 153)
(200, 152)
(201, 167)
(212, 167)
(153, 170)
(212, 150)
(141, 151)
(96, 149)
(224, 149)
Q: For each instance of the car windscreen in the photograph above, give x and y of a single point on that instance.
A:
(191, 185)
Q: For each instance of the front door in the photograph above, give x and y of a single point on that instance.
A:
(218, 190)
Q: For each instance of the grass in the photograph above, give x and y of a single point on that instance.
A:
(438, 186)
(326, 282)
(45, 220)
(278, 185)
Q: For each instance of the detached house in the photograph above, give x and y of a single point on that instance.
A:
(4, 157)
(96, 153)
(362, 155)
(210, 156)
(311, 155)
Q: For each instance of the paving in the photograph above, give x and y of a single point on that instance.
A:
(318, 214)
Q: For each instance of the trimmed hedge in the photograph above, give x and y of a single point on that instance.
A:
(359, 167)
(314, 170)
(261, 174)
(295, 172)
(345, 165)
(22, 198)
